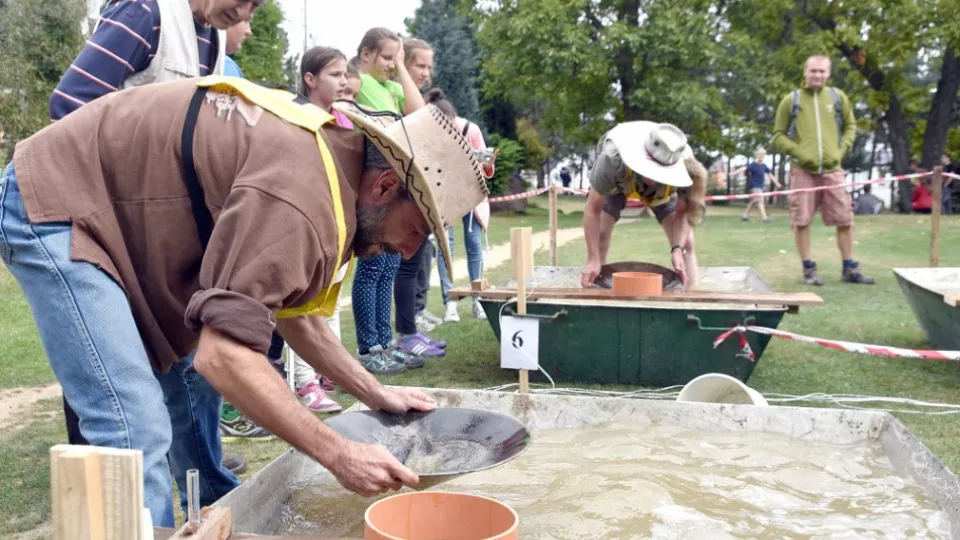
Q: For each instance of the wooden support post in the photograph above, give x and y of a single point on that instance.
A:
(935, 216)
(479, 285)
(521, 240)
(553, 225)
(96, 493)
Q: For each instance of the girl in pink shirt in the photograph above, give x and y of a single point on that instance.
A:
(323, 78)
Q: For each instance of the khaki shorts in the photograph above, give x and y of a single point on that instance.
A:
(835, 205)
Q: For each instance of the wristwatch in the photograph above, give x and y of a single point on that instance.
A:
(676, 247)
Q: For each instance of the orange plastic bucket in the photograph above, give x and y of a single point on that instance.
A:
(435, 515)
(637, 284)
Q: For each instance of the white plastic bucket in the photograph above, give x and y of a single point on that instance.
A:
(720, 388)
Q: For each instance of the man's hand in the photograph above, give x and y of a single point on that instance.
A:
(401, 400)
(370, 469)
(676, 257)
(590, 272)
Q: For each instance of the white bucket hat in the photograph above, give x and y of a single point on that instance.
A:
(427, 151)
(655, 151)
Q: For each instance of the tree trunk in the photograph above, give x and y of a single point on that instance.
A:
(938, 121)
(541, 177)
(625, 59)
(729, 180)
(900, 148)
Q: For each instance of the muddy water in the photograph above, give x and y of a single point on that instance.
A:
(666, 482)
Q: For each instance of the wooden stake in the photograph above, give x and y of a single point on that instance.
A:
(521, 240)
(96, 493)
(553, 225)
(935, 216)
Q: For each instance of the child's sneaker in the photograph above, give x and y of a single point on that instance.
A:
(234, 426)
(327, 385)
(420, 345)
(423, 325)
(451, 314)
(478, 310)
(379, 361)
(431, 318)
(315, 399)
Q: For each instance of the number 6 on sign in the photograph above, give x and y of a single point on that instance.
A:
(519, 343)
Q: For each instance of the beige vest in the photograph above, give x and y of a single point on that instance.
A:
(176, 55)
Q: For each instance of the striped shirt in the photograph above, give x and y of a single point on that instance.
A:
(124, 43)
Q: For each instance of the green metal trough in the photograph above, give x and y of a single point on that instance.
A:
(643, 343)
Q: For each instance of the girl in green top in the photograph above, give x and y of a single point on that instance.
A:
(387, 86)
(380, 58)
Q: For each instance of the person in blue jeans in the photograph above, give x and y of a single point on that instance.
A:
(473, 240)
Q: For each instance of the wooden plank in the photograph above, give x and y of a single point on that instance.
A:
(935, 216)
(760, 298)
(214, 525)
(521, 242)
(79, 496)
(163, 533)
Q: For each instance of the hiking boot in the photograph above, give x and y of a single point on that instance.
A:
(424, 324)
(768, 220)
(431, 318)
(451, 314)
(853, 274)
(744, 219)
(810, 276)
(478, 310)
(234, 463)
(234, 426)
(420, 344)
(315, 399)
(379, 361)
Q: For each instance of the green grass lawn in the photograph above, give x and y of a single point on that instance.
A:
(877, 314)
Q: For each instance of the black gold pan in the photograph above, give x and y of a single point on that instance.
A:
(441, 444)
(671, 280)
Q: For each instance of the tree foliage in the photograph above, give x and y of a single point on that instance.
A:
(38, 41)
(511, 159)
(441, 24)
(262, 56)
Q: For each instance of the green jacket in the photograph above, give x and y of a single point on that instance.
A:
(814, 146)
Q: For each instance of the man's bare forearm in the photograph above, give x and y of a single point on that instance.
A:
(311, 338)
(245, 378)
(591, 225)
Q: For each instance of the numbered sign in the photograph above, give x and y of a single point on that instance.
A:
(519, 343)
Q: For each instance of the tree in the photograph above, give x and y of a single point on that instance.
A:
(440, 23)
(38, 41)
(262, 56)
(510, 160)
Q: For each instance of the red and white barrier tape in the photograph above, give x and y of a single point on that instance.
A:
(633, 202)
(898, 178)
(518, 196)
(873, 350)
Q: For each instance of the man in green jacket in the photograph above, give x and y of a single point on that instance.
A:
(815, 126)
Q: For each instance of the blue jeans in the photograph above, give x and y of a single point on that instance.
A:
(473, 238)
(93, 345)
(373, 299)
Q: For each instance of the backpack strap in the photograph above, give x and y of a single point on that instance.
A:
(794, 109)
(837, 111)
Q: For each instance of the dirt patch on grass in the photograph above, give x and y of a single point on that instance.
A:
(17, 403)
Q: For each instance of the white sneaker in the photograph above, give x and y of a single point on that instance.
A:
(424, 325)
(451, 314)
(478, 310)
(431, 318)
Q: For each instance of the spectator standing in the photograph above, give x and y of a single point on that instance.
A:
(379, 59)
(757, 174)
(816, 127)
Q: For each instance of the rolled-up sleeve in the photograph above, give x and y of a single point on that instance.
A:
(608, 172)
(263, 255)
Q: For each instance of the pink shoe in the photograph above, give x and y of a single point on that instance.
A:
(315, 399)
(326, 384)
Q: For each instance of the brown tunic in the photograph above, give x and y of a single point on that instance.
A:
(112, 169)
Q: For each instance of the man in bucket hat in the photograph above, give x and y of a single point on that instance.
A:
(137, 229)
(651, 163)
